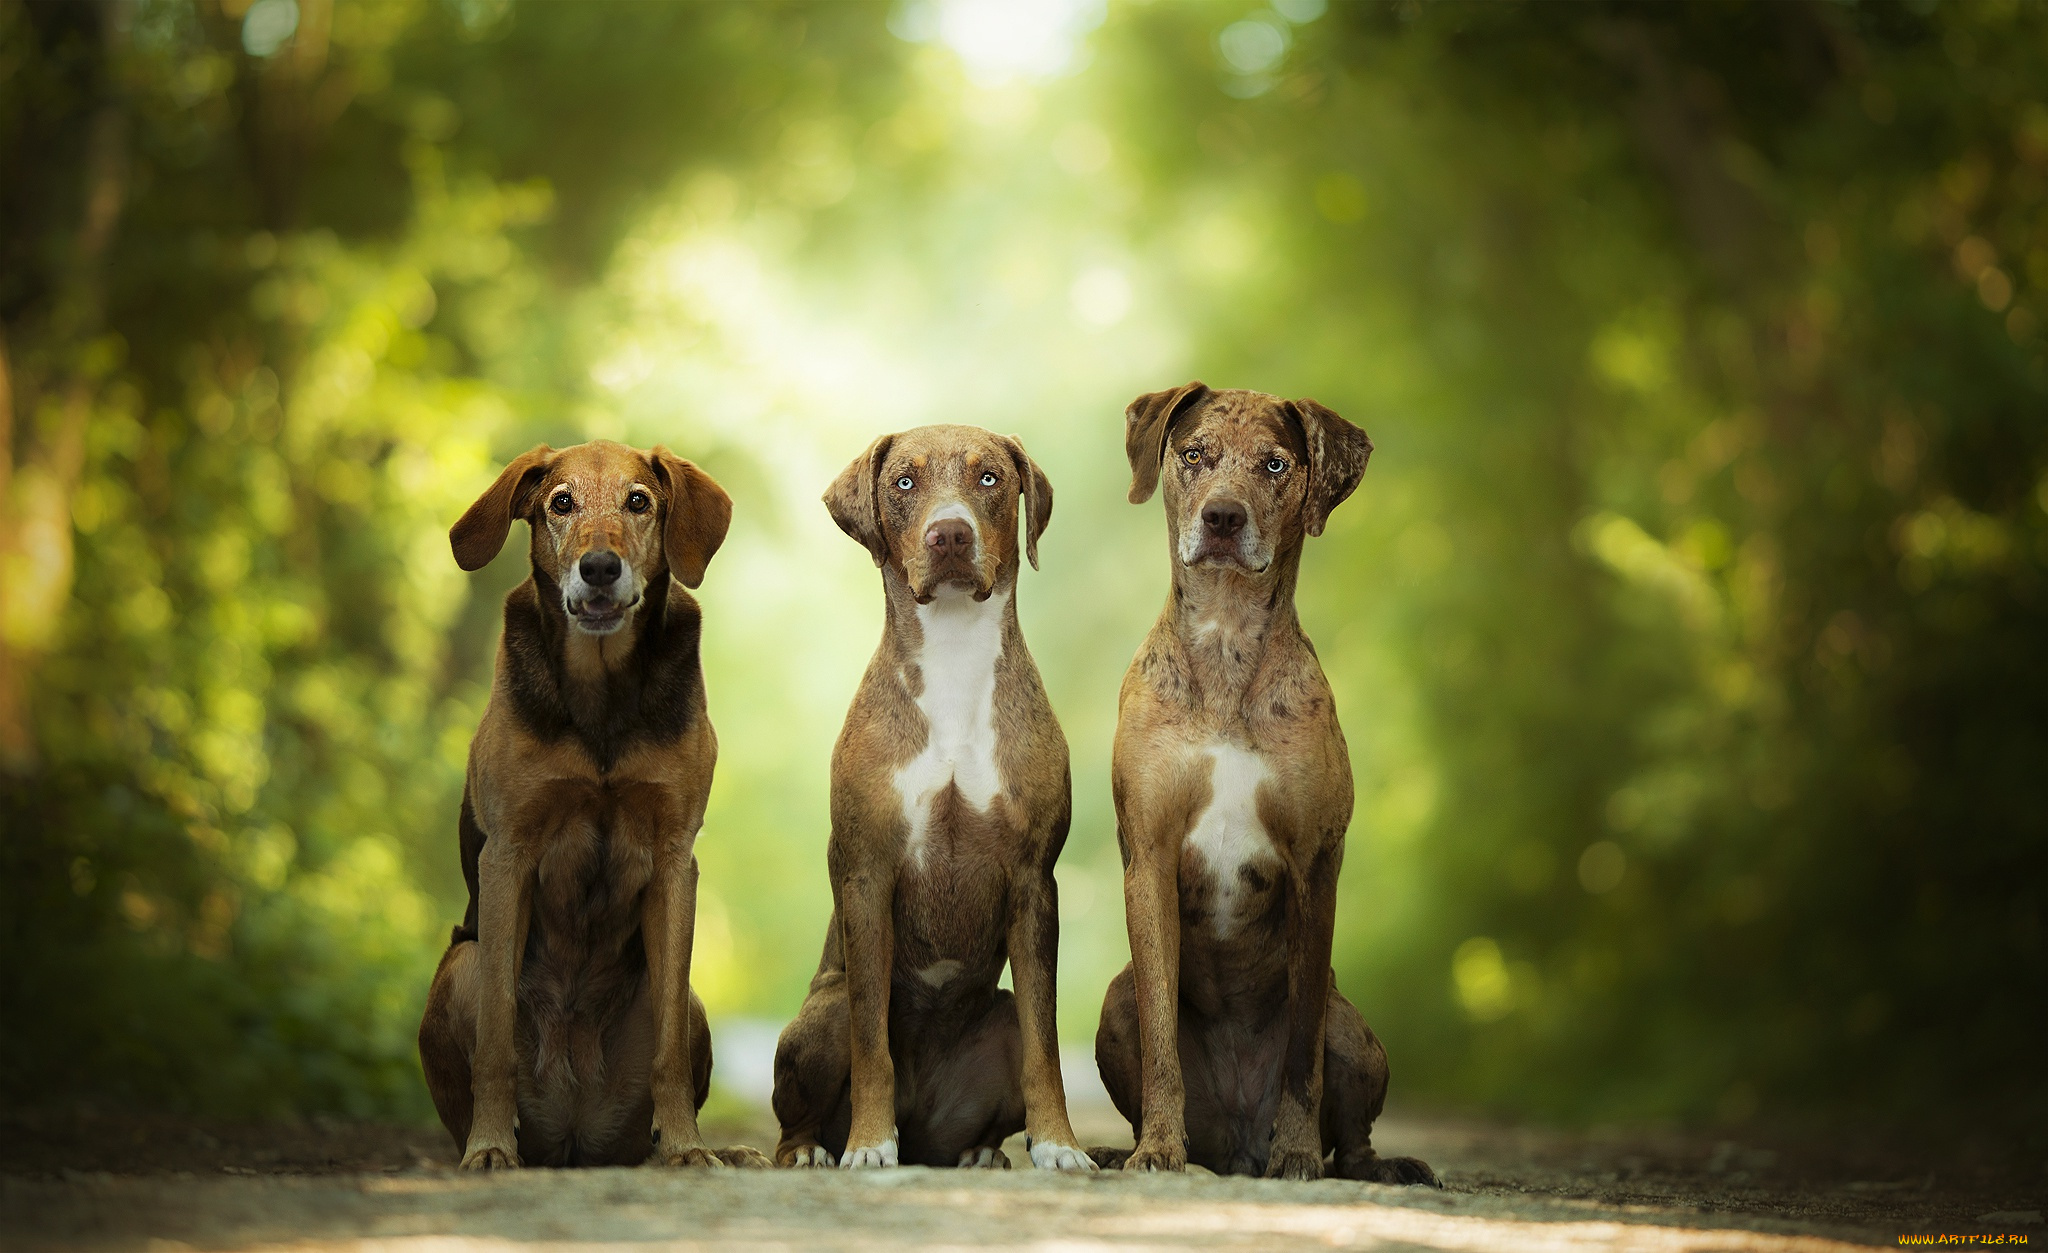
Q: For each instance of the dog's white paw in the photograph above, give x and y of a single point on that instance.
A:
(869, 1156)
(984, 1159)
(1049, 1155)
(811, 1155)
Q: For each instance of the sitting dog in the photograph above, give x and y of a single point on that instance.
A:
(1225, 1041)
(561, 1028)
(950, 803)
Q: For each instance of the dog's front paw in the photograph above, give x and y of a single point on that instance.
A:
(1294, 1163)
(1052, 1155)
(684, 1157)
(984, 1158)
(869, 1156)
(805, 1157)
(1106, 1158)
(1151, 1156)
(488, 1155)
(745, 1158)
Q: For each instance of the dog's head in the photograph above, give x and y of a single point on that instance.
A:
(608, 521)
(1247, 474)
(939, 504)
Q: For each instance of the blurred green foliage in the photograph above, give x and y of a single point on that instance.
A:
(1687, 629)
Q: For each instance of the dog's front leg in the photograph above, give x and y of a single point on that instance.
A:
(668, 926)
(1034, 941)
(1152, 910)
(867, 922)
(504, 907)
(1297, 1151)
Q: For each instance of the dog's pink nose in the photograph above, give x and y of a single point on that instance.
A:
(1224, 518)
(949, 536)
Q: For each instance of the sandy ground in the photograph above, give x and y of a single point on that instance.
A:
(82, 1181)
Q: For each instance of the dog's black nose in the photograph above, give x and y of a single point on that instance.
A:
(600, 569)
(1224, 518)
(948, 536)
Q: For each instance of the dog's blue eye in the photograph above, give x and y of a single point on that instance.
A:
(1274, 465)
(561, 503)
(988, 480)
(637, 502)
(905, 483)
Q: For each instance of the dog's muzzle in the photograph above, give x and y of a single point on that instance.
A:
(951, 556)
(1223, 533)
(600, 592)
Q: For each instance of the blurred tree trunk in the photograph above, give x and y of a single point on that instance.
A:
(14, 739)
(36, 549)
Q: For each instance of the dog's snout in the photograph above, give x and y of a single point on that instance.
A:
(1223, 518)
(949, 536)
(600, 569)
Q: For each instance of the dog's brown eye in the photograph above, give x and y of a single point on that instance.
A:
(906, 483)
(1192, 456)
(988, 479)
(1274, 465)
(562, 503)
(637, 502)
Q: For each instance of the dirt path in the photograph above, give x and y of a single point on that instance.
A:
(101, 1183)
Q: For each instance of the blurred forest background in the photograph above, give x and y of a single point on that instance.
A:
(1690, 629)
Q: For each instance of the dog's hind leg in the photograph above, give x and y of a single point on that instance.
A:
(448, 1037)
(1354, 1092)
(813, 1097)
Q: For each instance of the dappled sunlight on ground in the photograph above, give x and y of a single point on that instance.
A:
(103, 1181)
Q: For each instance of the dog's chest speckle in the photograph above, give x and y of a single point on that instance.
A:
(957, 661)
(1236, 853)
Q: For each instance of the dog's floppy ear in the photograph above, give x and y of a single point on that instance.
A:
(480, 532)
(1145, 425)
(1337, 453)
(1037, 497)
(852, 503)
(699, 512)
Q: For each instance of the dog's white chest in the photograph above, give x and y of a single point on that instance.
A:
(1228, 834)
(962, 642)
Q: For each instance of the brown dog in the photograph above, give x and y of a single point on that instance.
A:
(950, 803)
(1225, 1041)
(561, 1028)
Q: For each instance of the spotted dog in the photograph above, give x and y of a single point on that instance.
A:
(950, 803)
(1225, 1041)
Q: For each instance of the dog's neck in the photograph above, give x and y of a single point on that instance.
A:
(588, 663)
(903, 627)
(1228, 621)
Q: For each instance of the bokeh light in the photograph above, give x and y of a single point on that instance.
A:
(1685, 627)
